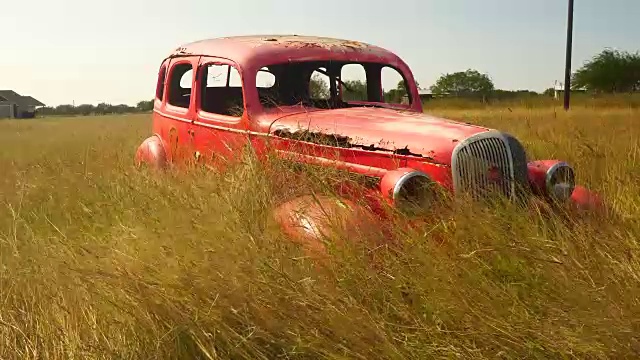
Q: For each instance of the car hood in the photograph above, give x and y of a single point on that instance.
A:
(388, 129)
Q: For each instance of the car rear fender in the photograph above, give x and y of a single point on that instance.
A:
(152, 152)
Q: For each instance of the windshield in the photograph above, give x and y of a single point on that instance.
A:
(331, 85)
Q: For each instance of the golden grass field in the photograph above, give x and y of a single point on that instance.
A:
(101, 261)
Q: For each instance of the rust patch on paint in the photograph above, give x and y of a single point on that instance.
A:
(340, 141)
(303, 42)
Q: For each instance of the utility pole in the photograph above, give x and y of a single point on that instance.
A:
(567, 69)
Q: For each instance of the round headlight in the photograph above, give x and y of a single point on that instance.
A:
(560, 181)
(409, 190)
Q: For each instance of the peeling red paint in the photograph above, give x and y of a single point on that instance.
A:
(423, 135)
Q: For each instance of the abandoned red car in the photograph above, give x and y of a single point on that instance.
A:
(215, 96)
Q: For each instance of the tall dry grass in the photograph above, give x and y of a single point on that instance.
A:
(99, 260)
(578, 101)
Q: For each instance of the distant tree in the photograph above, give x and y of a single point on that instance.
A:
(119, 109)
(144, 105)
(402, 86)
(355, 90)
(100, 109)
(318, 87)
(85, 109)
(469, 82)
(46, 110)
(610, 71)
(396, 95)
(549, 92)
(65, 109)
(103, 108)
(499, 94)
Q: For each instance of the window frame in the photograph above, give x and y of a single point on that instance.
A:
(404, 79)
(340, 79)
(326, 78)
(372, 69)
(262, 70)
(173, 65)
(161, 82)
(201, 81)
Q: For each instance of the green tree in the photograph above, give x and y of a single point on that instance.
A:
(65, 109)
(103, 108)
(402, 86)
(46, 110)
(396, 95)
(122, 109)
(144, 105)
(469, 82)
(610, 71)
(318, 87)
(85, 109)
(355, 90)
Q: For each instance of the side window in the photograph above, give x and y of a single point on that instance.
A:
(265, 79)
(393, 86)
(266, 86)
(161, 80)
(180, 85)
(319, 85)
(354, 76)
(222, 90)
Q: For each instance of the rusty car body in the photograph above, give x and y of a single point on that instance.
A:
(395, 143)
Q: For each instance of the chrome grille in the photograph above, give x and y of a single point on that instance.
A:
(483, 165)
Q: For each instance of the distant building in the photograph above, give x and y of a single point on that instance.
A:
(558, 91)
(424, 96)
(14, 105)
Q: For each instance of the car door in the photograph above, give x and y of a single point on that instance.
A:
(221, 124)
(177, 110)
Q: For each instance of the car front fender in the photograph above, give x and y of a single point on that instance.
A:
(312, 220)
(584, 199)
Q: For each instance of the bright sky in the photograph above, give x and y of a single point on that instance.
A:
(89, 52)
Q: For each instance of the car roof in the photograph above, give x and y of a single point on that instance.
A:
(259, 48)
